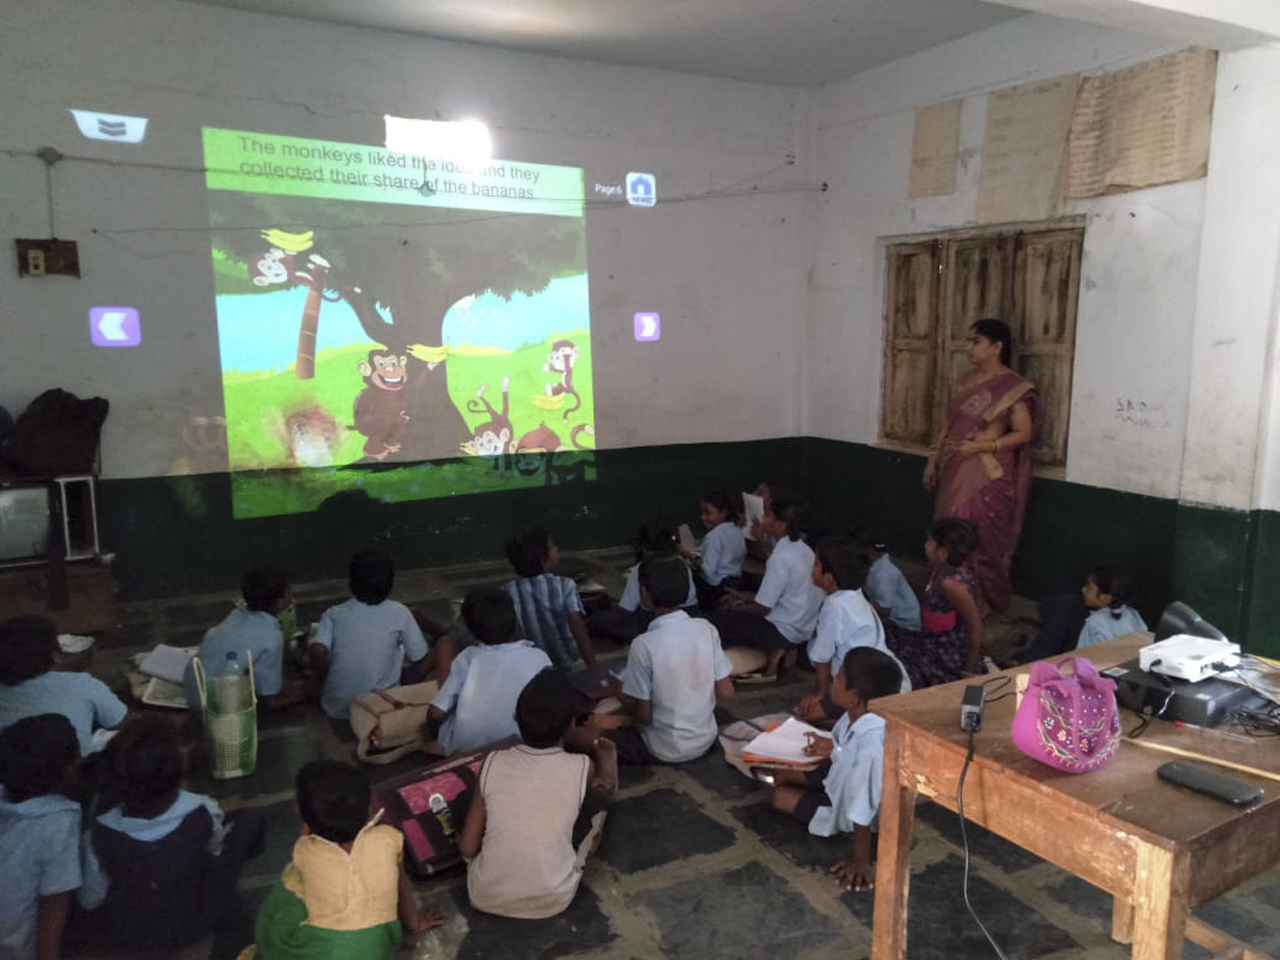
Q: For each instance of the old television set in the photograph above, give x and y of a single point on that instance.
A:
(24, 524)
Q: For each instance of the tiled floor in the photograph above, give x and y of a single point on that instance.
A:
(695, 864)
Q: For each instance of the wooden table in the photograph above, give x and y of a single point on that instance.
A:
(1158, 849)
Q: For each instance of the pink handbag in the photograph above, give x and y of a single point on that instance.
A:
(1068, 721)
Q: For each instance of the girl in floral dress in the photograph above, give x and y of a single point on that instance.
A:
(949, 645)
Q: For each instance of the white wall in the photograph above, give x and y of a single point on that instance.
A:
(1232, 448)
(725, 272)
(770, 294)
(1138, 284)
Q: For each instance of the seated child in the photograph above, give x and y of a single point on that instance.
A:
(251, 630)
(161, 868)
(656, 539)
(675, 671)
(477, 704)
(538, 810)
(846, 621)
(886, 587)
(843, 793)
(39, 835)
(1106, 594)
(29, 684)
(345, 893)
(724, 547)
(362, 644)
(1072, 621)
(950, 644)
(782, 614)
(547, 606)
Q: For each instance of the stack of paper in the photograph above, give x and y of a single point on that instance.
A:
(784, 744)
(167, 663)
(162, 693)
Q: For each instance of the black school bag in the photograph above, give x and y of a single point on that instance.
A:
(56, 435)
(429, 806)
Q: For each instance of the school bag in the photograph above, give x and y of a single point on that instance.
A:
(429, 806)
(56, 435)
(390, 723)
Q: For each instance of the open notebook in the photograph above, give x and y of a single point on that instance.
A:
(785, 743)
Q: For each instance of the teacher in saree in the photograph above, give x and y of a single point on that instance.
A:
(981, 467)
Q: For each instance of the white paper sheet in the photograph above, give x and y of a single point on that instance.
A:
(785, 743)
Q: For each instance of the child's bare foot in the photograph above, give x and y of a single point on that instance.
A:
(853, 875)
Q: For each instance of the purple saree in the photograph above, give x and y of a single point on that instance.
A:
(988, 489)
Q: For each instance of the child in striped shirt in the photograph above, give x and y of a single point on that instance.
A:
(548, 606)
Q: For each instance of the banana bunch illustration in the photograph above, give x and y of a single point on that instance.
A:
(291, 243)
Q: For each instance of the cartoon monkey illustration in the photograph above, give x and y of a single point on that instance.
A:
(564, 353)
(545, 440)
(379, 409)
(493, 437)
(272, 267)
(276, 265)
(541, 440)
(536, 453)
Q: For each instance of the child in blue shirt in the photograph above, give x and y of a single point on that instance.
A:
(676, 670)
(846, 620)
(1099, 612)
(29, 684)
(656, 540)
(477, 704)
(783, 613)
(885, 586)
(724, 547)
(842, 794)
(363, 643)
(1106, 594)
(547, 606)
(39, 835)
(252, 630)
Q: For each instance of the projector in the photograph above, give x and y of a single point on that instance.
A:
(1189, 658)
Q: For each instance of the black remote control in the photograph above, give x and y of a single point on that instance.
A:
(1207, 780)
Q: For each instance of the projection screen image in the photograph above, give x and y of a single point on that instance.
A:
(402, 325)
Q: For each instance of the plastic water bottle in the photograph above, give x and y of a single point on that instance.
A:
(440, 808)
(231, 696)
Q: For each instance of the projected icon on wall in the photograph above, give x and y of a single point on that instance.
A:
(115, 327)
(648, 327)
(642, 189)
(110, 126)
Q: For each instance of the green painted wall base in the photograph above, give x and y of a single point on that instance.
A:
(174, 535)
(1221, 562)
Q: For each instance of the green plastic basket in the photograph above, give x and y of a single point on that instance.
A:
(230, 710)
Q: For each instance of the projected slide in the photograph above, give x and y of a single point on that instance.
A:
(402, 325)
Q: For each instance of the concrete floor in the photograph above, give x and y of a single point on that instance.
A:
(695, 865)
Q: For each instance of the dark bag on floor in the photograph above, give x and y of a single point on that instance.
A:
(429, 806)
